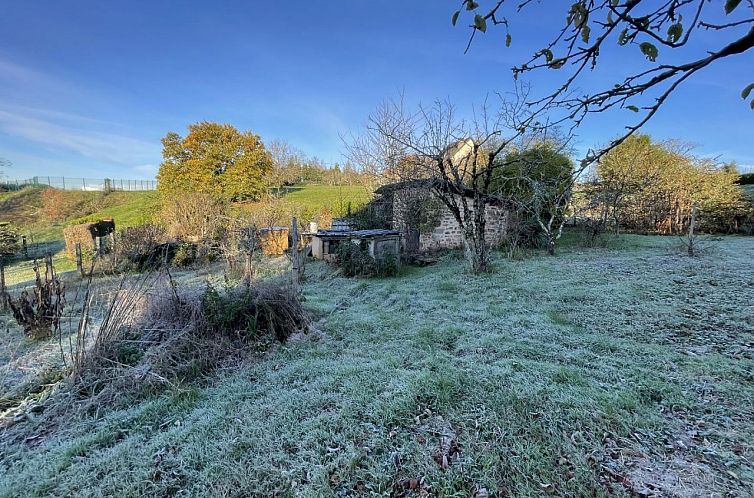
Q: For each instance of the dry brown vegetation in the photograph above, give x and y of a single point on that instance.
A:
(148, 333)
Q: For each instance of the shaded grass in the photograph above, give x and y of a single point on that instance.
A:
(547, 371)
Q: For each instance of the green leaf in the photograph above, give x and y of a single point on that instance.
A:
(585, 33)
(508, 40)
(649, 50)
(731, 5)
(632, 108)
(623, 38)
(674, 32)
(548, 54)
(752, 105)
(454, 20)
(480, 23)
(745, 93)
(471, 5)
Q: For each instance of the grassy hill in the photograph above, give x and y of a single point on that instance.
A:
(594, 373)
(309, 200)
(25, 209)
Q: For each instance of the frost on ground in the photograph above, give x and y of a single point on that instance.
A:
(621, 372)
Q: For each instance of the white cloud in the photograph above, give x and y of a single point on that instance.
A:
(68, 132)
(150, 169)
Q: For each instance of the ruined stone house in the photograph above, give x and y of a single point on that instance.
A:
(425, 221)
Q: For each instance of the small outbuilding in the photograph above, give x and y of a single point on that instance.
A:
(379, 243)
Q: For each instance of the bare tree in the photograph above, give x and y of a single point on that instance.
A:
(550, 196)
(286, 163)
(461, 161)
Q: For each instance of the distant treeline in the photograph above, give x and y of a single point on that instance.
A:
(746, 179)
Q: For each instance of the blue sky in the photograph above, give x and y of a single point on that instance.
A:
(88, 88)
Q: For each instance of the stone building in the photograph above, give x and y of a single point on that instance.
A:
(425, 222)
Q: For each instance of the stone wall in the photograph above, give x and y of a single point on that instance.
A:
(446, 233)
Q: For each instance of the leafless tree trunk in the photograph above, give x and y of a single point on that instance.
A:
(692, 224)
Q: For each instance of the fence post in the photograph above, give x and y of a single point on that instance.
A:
(49, 269)
(63, 183)
(79, 263)
(24, 246)
(83, 183)
(295, 256)
(247, 265)
(3, 294)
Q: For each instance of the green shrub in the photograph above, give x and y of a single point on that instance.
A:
(185, 255)
(8, 239)
(141, 247)
(355, 261)
(263, 309)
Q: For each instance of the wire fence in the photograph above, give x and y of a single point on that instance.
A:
(81, 184)
(19, 273)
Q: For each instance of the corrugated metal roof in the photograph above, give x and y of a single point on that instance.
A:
(375, 232)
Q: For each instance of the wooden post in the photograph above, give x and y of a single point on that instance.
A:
(295, 255)
(24, 246)
(3, 294)
(247, 266)
(691, 229)
(79, 262)
(49, 269)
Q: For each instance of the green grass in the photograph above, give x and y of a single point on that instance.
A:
(24, 209)
(128, 209)
(551, 374)
(337, 197)
(309, 200)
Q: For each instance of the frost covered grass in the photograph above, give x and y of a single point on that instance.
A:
(600, 372)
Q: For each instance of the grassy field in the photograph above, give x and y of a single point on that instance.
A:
(625, 371)
(309, 200)
(315, 196)
(24, 208)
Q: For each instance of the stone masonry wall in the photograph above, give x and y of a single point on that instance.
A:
(447, 233)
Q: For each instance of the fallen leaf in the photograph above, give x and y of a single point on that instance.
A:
(547, 488)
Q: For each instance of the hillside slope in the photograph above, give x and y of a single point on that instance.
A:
(26, 209)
